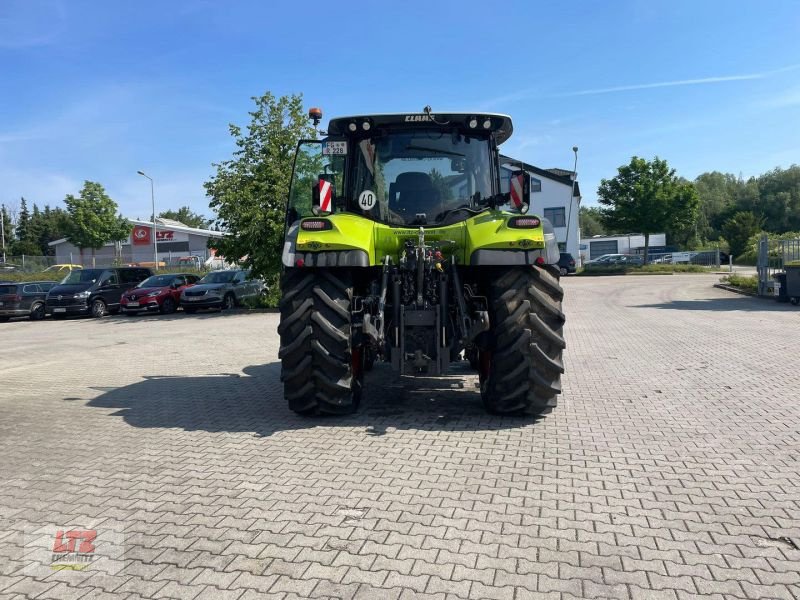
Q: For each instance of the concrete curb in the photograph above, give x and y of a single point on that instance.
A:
(735, 290)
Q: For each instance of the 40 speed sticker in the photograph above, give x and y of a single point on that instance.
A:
(366, 200)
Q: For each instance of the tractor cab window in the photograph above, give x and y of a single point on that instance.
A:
(313, 160)
(419, 177)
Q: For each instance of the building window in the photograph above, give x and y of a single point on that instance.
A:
(536, 185)
(557, 216)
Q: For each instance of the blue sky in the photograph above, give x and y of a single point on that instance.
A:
(98, 90)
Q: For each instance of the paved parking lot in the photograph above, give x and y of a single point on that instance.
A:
(669, 470)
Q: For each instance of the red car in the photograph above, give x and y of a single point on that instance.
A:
(159, 293)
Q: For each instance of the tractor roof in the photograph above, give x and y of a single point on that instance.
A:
(499, 125)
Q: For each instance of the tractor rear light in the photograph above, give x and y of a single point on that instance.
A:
(524, 222)
(539, 261)
(316, 225)
(300, 263)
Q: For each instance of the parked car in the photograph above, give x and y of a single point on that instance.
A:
(222, 290)
(62, 268)
(4, 266)
(93, 292)
(24, 299)
(610, 260)
(566, 264)
(159, 293)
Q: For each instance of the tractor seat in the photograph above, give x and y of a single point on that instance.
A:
(413, 193)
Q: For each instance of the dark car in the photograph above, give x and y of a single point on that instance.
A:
(221, 289)
(159, 293)
(93, 292)
(24, 299)
(566, 263)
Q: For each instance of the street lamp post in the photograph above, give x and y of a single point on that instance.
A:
(155, 233)
(3, 229)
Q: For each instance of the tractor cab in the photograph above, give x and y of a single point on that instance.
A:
(402, 170)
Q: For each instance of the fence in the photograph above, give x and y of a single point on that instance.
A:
(33, 264)
(772, 258)
(704, 258)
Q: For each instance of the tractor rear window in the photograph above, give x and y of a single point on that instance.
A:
(416, 177)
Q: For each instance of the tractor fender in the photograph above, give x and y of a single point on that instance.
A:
(553, 254)
(290, 242)
(326, 258)
(518, 256)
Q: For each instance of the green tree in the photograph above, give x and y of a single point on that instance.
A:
(93, 218)
(7, 230)
(248, 192)
(47, 226)
(591, 221)
(647, 197)
(23, 222)
(186, 216)
(739, 229)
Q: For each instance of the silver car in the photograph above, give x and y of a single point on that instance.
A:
(222, 290)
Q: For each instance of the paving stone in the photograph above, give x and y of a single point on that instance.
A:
(668, 470)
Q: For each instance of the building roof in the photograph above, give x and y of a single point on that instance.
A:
(164, 224)
(559, 175)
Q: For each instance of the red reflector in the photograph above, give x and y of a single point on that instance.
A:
(315, 225)
(524, 222)
(300, 262)
(539, 261)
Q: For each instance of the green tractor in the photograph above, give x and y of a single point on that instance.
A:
(408, 242)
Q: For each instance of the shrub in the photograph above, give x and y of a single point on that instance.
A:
(748, 283)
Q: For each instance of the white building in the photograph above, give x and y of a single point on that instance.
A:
(174, 240)
(554, 196)
(630, 243)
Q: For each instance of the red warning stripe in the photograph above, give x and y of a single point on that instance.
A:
(516, 190)
(324, 195)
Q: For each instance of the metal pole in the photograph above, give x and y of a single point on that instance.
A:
(3, 229)
(155, 231)
(571, 200)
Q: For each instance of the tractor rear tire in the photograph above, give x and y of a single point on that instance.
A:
(520, 368)
(321, 371)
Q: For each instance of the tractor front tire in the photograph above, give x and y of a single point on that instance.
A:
(521, 364)
(321, 371)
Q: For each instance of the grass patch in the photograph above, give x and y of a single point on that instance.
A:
(746, 283)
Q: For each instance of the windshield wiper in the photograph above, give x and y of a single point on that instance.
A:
(435, 150)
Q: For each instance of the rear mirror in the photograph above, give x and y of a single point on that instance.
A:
(457, 165)
(520, 190)
(322, 194)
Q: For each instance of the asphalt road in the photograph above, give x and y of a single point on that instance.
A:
(669, 469)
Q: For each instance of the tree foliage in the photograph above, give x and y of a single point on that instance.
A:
(249, 191)
(774, 196)
(647, 197)
(93, 218)
(186, 216)
(591, 221)
(21, 231)
(8, 231)
(739, 228)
